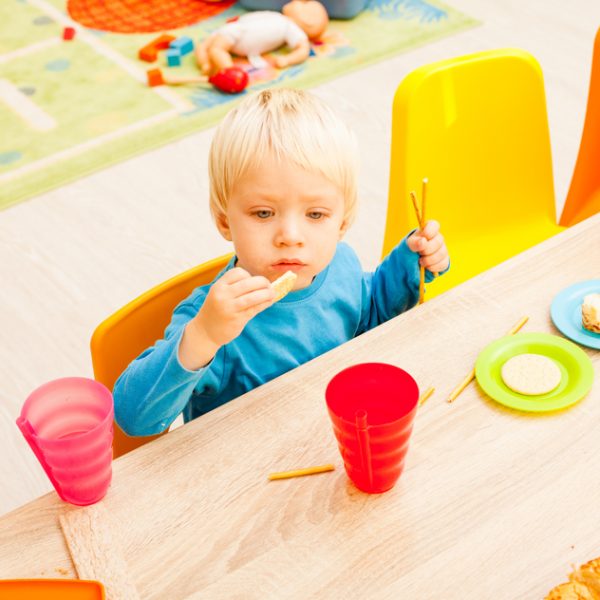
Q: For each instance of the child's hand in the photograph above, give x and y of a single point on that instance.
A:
(429, 244)
(231, 302)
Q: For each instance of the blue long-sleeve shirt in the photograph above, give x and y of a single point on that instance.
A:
(341, 303)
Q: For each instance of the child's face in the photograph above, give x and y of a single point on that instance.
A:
(283, 218)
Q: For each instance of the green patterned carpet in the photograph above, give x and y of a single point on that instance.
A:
(68, 108)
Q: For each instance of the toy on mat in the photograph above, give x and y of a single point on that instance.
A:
(258, 32)
(177, 49)
(68, 33)
(232, 80)
(149, 52)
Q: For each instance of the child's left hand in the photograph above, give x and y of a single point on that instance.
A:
(429, 244)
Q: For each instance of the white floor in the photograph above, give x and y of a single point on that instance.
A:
(72, 256)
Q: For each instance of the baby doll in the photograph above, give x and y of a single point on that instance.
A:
(255, 33)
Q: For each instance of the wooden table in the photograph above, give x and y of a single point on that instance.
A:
(493, 503)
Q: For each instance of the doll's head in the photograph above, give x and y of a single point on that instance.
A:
(309, 15)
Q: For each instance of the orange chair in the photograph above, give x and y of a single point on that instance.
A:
(128, 332)
(583, 199)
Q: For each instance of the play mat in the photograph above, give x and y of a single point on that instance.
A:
(68, 108)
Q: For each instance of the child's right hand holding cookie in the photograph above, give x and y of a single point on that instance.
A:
(231, 302)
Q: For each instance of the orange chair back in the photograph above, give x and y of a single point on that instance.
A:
(128, 332)
(583, 199)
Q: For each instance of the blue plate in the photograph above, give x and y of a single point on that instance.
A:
(566, 313)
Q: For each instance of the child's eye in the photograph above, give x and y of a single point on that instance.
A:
(315, 215)
(263, 214)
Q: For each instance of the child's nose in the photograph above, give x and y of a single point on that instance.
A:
(289, 233)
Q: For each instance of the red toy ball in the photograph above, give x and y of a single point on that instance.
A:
(231, 80)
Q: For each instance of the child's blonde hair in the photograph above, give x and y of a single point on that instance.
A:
(286, 124)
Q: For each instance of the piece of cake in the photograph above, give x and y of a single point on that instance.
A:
(590, 312)
(583, 584)
(588, 575)
(570, 591)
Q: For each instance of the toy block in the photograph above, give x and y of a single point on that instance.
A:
(163, 41)
(183, 44)
(173, 57)
(68, 33)
(149, 52)
(155, 77)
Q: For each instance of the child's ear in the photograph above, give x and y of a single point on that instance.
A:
(223, 226)
(343, 228)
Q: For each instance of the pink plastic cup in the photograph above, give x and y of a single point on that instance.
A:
(372, 407)
(68, 423)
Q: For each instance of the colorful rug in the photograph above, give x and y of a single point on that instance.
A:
(69, 108)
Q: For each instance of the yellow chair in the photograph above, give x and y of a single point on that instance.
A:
(583, 199)
(476, 127)
(129, 331)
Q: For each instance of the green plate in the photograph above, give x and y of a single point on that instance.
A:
(575, 367)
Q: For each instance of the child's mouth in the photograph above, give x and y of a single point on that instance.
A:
(288, 265)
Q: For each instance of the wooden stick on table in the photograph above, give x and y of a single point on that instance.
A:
(465, 382)
(301, 472)
(425, 395)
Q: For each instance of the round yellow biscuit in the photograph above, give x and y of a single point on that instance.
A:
(531, 374)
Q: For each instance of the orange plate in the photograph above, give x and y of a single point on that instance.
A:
(51, 589)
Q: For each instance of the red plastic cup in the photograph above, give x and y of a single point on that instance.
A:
(372, 407)
(68, 423)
